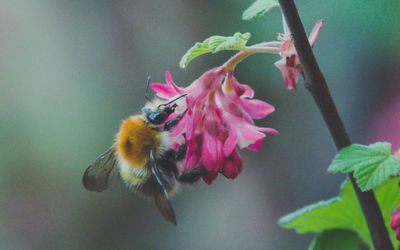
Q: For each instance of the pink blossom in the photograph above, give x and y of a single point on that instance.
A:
(219, 118)
(395, 222)
(289, 64)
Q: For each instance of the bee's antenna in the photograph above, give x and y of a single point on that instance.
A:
(147, 89)
(174, 100)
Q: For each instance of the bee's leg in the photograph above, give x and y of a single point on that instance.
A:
(169, 162)
(157, 175)
(192, 175)
(175, 156)
(180, 154)
(172, 123)
(170, 158)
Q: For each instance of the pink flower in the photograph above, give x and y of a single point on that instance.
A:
(289, 64)
(219, 118)
(395, 222)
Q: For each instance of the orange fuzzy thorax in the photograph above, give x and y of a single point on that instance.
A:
(135, 139)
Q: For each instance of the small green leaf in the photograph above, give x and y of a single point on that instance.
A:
(371, 164)
(336, 239)
(373, 175)
(259, 8)
(344, 212)
(215, 44)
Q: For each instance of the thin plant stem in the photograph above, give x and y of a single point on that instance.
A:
(318, 88)
(268, 47)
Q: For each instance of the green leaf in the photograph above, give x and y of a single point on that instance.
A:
(344, 212)
(371, 176)
(259, 8)
(336, 239)
(215, 44)
(371, 164)
(341, 212)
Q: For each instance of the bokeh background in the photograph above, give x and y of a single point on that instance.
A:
(70, 71)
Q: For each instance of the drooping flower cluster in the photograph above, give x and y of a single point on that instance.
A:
(290, 63)
(219, 115)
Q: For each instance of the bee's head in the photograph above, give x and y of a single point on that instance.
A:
(160, 114)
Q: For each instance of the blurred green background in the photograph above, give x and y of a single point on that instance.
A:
(70, 71)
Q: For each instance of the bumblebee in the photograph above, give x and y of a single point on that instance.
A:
(142, 156)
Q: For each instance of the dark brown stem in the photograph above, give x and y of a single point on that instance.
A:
(320, 92)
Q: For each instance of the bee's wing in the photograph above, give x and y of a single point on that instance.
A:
(160, 199)
(102, 173)
(165, 207)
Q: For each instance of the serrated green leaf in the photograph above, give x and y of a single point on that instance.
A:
(215, 44)
(371, 164)
(259, 8)
(373, 175)
(349, 158)
(344, 212)
(336, 239)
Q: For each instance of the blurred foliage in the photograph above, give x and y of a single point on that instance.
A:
(70, 71)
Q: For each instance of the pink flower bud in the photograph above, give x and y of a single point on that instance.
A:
(395, 222)
(289, 63)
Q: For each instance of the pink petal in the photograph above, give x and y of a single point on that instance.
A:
(288, 48)
(257, 109)
(180, 127)
(248, 91)
(240, 89)
(255, 146)
(249, 133)
(212, 78)
(398, 233)
(267, 130)
(167, 90)
(168, 79)
(315, 32)
(212, 121)
(210, 177)
(194, 120)
(395, 222)
(190, 125)
(211, 152)
(395, 219)
(193, 153)
(230, 142)
(235, 156)
(191, 161)
(163, 90)
(290, 75)
(230, 103)
(231, 170)
(197, 97)
(233, 165)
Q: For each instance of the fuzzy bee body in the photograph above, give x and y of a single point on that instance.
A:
(143, 158)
